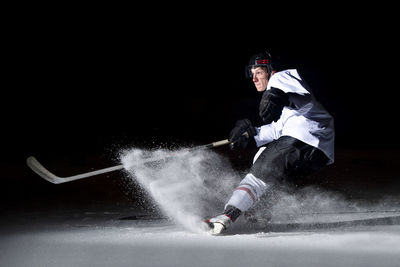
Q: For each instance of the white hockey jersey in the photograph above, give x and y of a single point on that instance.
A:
(305, 119)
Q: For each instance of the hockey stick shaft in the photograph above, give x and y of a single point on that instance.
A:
(40, 170)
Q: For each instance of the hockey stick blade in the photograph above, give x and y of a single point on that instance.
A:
(38, 168)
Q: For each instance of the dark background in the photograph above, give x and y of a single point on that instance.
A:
(77, 89)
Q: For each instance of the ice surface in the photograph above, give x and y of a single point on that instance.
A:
(94, 240)
(310, 227)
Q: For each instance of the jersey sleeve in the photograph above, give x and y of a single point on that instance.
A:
(266, 134)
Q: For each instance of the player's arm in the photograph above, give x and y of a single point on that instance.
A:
(272, 103)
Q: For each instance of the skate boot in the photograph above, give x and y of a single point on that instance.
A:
(221, 223)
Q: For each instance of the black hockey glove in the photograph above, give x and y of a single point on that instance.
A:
(237, 136)
(272, 103)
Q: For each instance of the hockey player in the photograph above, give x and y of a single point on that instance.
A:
(296, 139)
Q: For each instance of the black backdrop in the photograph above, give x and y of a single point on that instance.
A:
(85, 91)
(77, 89)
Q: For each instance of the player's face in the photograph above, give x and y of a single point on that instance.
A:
(260, 78)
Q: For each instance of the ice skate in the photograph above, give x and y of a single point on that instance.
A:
(219, 224)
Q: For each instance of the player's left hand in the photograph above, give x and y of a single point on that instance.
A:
(238, 136)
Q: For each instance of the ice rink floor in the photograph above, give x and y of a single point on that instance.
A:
(129, 238)
(90, 223)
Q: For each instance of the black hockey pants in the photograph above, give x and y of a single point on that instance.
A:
(286, 160)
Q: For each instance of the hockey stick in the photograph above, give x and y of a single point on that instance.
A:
(38, 168)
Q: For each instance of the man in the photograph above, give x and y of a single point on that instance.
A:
(296, 139)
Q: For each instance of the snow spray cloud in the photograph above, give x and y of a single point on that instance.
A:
(290, 204)
(186, 185)
(287, 204)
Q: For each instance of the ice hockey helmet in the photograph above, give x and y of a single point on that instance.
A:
(263, 59)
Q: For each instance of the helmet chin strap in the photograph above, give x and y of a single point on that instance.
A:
(269, 74)
(269, 71)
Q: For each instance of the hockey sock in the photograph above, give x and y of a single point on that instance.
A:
(247, 193)
(232, 212)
